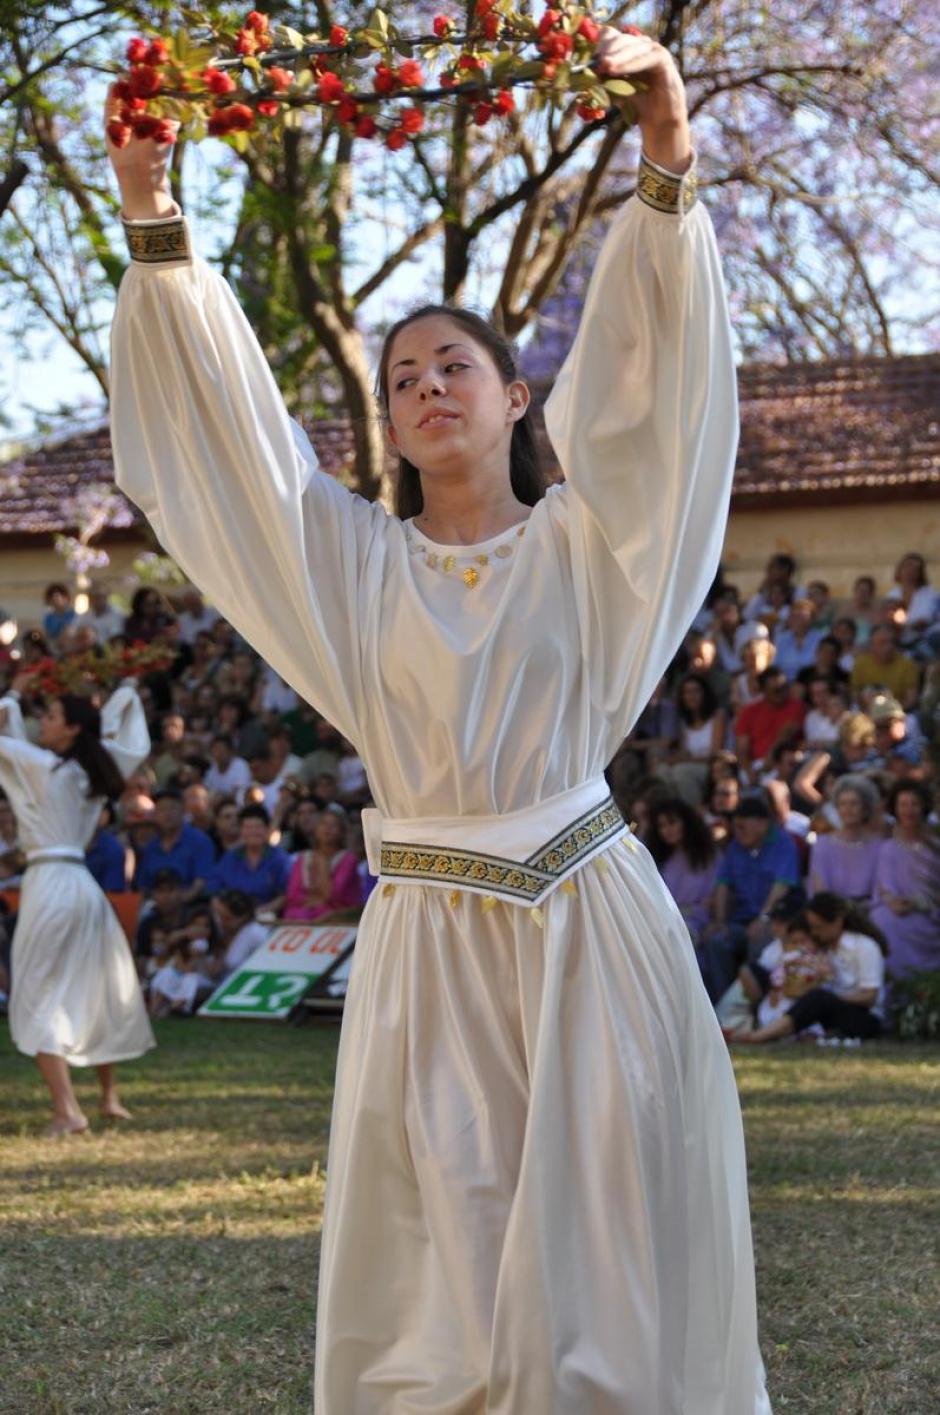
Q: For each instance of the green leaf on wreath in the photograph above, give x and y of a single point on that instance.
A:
(293, 37)
(619, 86)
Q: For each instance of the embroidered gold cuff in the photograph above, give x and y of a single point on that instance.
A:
(164, 242)
(665, 191)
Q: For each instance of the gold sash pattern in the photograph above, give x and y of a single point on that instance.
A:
(528, 880)
(158, 242)
(665, 192)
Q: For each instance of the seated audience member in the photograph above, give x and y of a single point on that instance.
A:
(60, 612)
(286, 759)
(722, 804)
(845, 860)
(325, 878)
(825, 665)
(759, 868)
(824, 610)
(777, 584)
(851, 1003)
(303, 723)
(725, 625)
(254, 867)
(826, 708)
(226, 831)
(681, 844)
(905, 904)
(239, 932)
(101, 616)
(863, 609)
(178, 846)
(200, 672)
(774, 717)
(228, 775)
(185, 977)
(920, 600)
(854, 751)
(901, 754)
(197, 806)
(167, 916)
(701, 658)
(300, 825)
(844, 633)
(149, 614)
(702, 729)
(323, 757)
(797, 640)
(801, 966)
(105, 857)
(268, 778)
(235, 720)
(883, 666)
(171, 747)
(757, 654)
(277, 697)
(754, 978)
(194, 615)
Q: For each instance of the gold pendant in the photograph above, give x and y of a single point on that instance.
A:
(470, 577)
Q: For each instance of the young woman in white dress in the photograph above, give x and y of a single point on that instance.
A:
(537, 1196)
(75, 997)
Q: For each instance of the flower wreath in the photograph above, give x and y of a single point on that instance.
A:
(88, 673)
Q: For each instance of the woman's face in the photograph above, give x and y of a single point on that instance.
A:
(55, 734)
(909, 571)
(305, 817)
(851, 809)
(692, 696)
(819, 694)
(671, 830)
(826, 932)
(226, 819)
(328, 833)
(449, 410)
(908, 811)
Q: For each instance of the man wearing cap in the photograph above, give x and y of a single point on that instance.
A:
(759, 868)
(178, 847)
(894, 743)
(883, 666)
(772, 718)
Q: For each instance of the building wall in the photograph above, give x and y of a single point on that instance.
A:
(25, 573)
(833, 543)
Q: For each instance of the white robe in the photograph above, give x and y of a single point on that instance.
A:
(75, 991)
(537, 1196)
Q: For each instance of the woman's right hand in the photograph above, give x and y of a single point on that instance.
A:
(141, 170)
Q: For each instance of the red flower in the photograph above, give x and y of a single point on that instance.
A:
(366, 127)
(136, 49)
(386, 80)
(482, 113)
(396, 140)
(590, 112)
(492, 26)
(557, 46)
(630, 29)
(347, 110)
(253, 41)
(549, 71)
(471, 63)
(257, 22)
(281, 78)
(144, 82)
(269, 107)
(240, 117)
(122, 91)
(443, 26)
(504, 102)
(119, 133)
(146, 125)
(449, 81)
(409, 74)
(330, 88)
(484, 7)
(338, 36)
(157, 52)
(218, 81)
(412, 120)
(549, 21)
(166, 132)
(589, 29)
(134, 105)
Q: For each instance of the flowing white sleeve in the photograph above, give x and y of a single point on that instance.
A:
(204, 446)
(24, 767)
(124, 730)
(643, 418)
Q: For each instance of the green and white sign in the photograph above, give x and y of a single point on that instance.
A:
(280, 972)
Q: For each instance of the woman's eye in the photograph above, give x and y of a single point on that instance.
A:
(405, 381)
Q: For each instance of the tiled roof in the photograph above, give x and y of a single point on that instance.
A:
(840, 430)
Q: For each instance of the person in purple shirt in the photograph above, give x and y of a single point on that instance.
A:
(759, 869)
(681, 844)
(255, 866)
(845, 861)
(905, 894)
(178, 847)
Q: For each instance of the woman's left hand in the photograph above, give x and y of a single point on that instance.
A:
(660, 107)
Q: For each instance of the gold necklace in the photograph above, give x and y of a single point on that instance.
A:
(470, 574)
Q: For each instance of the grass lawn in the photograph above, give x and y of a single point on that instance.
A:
(171, 1266)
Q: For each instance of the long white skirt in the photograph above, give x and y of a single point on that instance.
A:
(75, 991)
(537, 1194)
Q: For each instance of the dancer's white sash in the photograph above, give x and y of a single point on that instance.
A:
(52, 853)
(519, 857)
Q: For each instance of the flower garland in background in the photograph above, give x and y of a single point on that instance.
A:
(97, 669)
(374, 82)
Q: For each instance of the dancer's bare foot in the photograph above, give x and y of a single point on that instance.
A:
(65, 1125)
(112, 1109)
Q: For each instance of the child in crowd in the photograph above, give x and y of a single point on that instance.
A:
(176, 985)
(794, 964)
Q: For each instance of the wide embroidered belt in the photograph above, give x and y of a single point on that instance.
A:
(519, 857)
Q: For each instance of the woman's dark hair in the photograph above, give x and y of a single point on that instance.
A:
(87, 749)
(697, 841)
(233, 700)
(709, 701)
(526, 473)
(831, 907)
(798, 923)
(254, 813)
(140, 598)
(916, 788)
(237, 902)
(921, 567)
(56, 588)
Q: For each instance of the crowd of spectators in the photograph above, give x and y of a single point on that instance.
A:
(785, 760)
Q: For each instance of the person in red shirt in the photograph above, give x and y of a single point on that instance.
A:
(773, 717)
